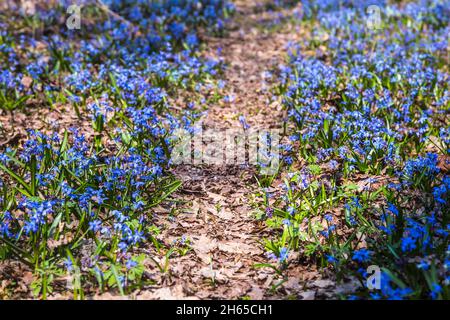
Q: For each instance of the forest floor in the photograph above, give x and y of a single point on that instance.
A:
(96, 204)
(215, 209)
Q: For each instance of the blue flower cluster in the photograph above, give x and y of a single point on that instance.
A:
(84, 200)
(368, 116)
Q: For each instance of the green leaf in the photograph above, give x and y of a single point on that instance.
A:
(55, 223)
(17, 178)
(116, 276)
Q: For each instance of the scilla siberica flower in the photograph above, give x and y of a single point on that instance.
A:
(362, 255)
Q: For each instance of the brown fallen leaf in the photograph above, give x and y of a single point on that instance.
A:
(308, 295)
(216, 275)
(225, 214)
(109, 296)
(321, 283)
(239, 248)
(444, 163)
(27, 278)
(203, 246)
(26, 81)
(168, 293)
(256, 293)
(292, 284)
(216, 197)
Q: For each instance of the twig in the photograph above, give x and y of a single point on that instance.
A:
(10, 139)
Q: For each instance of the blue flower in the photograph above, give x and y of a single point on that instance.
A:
(424, 265)
(95, 225)
(283, 255)
(68, 263)
(331, 259)
(130, 264)
(244, 123)
(393, 209)
(436, 289)
(291, 210)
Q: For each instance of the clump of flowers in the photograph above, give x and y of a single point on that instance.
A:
(366, 110)
(79, 203)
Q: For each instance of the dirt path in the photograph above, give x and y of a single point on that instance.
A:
(216, 213)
